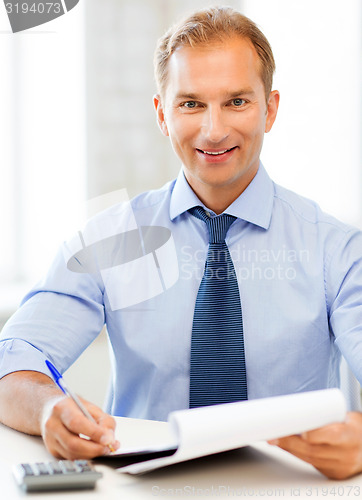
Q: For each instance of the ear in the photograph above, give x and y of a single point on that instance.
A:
(160, 114)
(272, 109)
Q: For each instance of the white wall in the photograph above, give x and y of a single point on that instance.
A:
(42, 156)
(315, 146)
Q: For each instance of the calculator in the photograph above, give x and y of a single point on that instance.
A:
(56, 475)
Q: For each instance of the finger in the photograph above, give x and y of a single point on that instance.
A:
(333, 434)
(62, 424)
(77, 423)
(107, 422)
(63, 443)
(103, 419)
(311, 453)
(339, 434)
(72, 447)
(63, 429)
(326, 459)
(76, 448)
(335, 461)
(99, 416)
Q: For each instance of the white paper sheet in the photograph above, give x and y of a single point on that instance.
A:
(213, 429)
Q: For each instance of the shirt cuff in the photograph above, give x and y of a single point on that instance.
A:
(17, 355)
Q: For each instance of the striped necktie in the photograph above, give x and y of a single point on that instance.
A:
(217, 367)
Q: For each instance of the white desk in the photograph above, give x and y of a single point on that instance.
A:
(252, 472)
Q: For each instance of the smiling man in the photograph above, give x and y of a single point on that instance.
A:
(269, 288)
(215, 111)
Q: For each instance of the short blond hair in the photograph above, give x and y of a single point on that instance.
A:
(213, 24)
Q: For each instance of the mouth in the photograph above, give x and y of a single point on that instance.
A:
(214, 155)
(215, 152)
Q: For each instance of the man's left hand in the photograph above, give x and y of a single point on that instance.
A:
(335, 450)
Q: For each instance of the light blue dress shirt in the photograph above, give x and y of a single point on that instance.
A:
(300, 279)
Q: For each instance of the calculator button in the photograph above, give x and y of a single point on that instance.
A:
(81, 462)
(68, 466)
(42, 469)
(27, 469)
(55, 468)
(83, 465)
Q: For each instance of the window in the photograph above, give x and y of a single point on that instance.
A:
(42, 158)
(314, 147)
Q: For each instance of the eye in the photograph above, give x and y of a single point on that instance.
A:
(189, 104)
(238, 102)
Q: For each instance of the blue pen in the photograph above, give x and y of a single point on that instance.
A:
(58, 379)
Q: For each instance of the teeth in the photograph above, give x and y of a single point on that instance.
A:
(215, 153)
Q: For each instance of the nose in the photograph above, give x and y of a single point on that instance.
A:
(214, 128)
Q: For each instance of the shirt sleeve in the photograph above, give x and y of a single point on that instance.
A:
(57, 320)
(344, 297)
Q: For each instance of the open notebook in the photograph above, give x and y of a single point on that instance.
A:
(204, 431)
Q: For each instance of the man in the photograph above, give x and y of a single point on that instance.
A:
(299, 270)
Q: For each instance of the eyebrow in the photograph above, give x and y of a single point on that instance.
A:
(247, 91)
(196, 97)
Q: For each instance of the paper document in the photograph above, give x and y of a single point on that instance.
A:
(204, 431)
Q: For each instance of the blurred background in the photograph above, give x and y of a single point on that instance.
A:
(77, 122)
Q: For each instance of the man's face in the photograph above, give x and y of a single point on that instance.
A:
(215, 112)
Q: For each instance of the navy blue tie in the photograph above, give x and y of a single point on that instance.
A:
(217, 367)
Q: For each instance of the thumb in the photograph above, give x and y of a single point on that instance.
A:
(106, 422)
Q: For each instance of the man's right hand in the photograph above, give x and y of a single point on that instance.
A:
(30, 402)
(65, 430)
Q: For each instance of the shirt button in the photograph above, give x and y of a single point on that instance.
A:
(207, 213)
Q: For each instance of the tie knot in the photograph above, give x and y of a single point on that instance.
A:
(217, 226)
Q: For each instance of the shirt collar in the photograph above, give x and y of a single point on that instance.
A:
(253, 205)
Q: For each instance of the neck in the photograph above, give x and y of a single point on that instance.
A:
(216, 201)
(218, 198)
